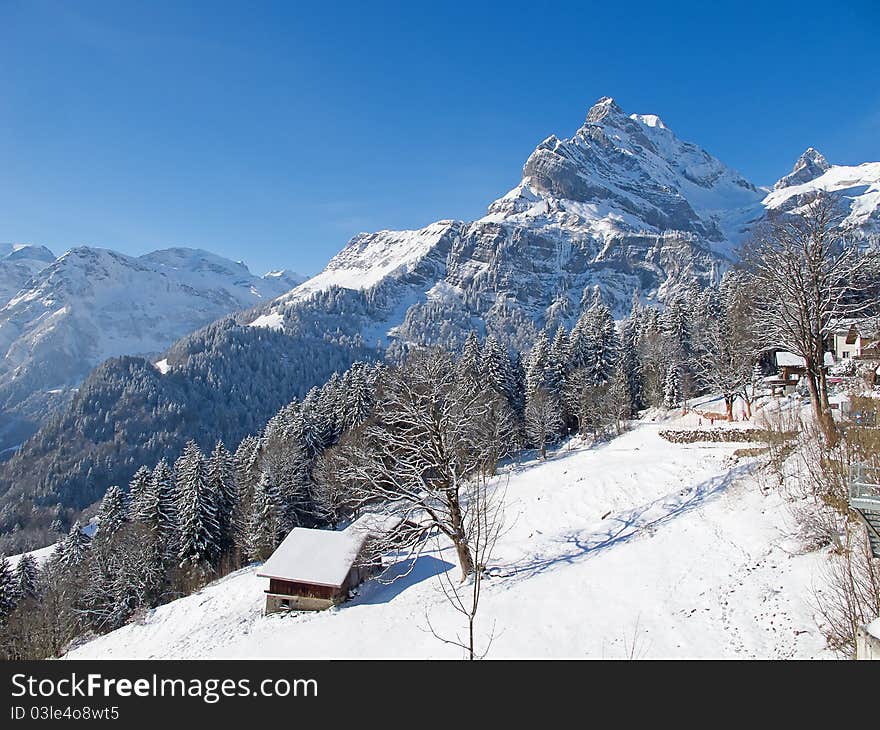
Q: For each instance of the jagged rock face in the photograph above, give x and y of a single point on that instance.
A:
(90, 304)
(637, 177)
(809, 166)
(622, 207)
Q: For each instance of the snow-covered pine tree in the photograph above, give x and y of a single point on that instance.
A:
(328, 412)
(558, 359)
(247, 474)
(580, 343)
(73, 550)
(199, 536)
(164, 519)
(26, 576)
(470, 365)
(518, 371)
(630, 367)
(308, 422)
(603, 348)
(497, 369)
(8, 589)
(262, 529)
(221, 479)
(357, 396)
(536, 367)
(139, 493)
(112, 514)
(672, 387)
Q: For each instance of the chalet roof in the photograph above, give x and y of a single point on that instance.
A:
(323, 557)
(790, 360)
(318, 557)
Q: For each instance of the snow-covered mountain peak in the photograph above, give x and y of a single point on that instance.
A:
(809, 166)
(21, 251)
(858, 187)
(370, 258)
(622, 174)
(602, 109)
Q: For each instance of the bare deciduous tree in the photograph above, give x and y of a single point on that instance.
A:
(431, 434)
(543, 418)
(727, 348)
(808, 274)
(485, 518)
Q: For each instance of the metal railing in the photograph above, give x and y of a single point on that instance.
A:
(864, 482)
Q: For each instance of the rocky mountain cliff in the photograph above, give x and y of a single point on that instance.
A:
(621, 206)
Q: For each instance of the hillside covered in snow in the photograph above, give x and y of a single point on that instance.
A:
(632, 548)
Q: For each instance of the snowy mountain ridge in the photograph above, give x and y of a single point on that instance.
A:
(66, 315)
(18, 263)
(622, 206)
(857, 185)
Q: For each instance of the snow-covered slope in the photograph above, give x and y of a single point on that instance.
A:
(635, 548)
(90, 304)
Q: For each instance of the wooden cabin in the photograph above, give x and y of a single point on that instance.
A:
(314, 569)
(790, 368)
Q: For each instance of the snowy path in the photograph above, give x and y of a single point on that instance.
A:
(634, 548)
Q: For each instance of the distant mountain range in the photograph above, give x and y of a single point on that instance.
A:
(622, 207)
(61, 317)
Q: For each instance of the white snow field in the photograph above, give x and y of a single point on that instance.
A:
(634, 548)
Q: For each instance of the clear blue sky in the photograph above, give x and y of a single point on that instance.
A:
(272, 132)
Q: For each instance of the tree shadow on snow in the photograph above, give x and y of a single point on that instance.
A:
(623, 527)
(398, 577)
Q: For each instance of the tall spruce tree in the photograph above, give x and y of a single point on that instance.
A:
(558, 359)
(536, 368)
(8, 589)
(498, 370)
(139, 492)
(27, 576)
(469, 364)
(73, 550)
(603, 347)
(164, 519)
(263, 522)
(199, 536)
(672, 386)
(221, 479)
(111, 514)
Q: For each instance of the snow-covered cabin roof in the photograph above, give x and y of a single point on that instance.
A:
(318, 557)
(789, 359)
(323, 557)
(372, 523)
